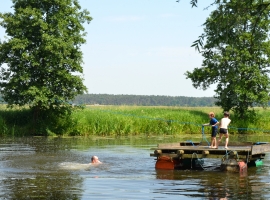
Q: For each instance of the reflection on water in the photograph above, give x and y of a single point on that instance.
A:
(58, 168)
(216, 184)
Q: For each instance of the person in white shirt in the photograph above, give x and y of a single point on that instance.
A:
(223, 129)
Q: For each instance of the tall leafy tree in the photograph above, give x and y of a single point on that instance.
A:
(236, 52)
(40, 59)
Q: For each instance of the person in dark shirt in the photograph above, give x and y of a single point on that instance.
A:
(214, 123)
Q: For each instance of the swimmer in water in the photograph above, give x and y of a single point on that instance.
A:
(95, 160)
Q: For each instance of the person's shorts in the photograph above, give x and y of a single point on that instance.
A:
(223, 130)
(214, 132)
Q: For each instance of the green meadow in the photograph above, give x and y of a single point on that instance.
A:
(126, 121)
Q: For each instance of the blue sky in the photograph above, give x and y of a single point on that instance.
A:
(141, 47)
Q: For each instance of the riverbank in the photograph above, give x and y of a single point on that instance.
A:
(127, 121)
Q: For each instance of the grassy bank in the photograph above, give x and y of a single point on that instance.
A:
(128, 120)
(135, 120)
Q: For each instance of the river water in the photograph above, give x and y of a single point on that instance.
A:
(58, 168)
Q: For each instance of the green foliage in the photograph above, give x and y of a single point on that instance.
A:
(41, 57)
(236, 56)
(19, 122)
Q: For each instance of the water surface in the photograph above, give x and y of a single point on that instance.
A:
(58, 168)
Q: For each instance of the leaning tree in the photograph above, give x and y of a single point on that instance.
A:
(40, 58)
(236, 51)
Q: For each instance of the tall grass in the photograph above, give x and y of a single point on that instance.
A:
(128, 120)
(135, 120)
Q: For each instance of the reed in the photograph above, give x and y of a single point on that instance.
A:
(127, 121)
(136, 120)
(14, 122)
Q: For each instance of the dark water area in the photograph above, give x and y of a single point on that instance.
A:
(58, 168)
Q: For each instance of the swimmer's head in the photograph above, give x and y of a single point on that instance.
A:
(94, 159)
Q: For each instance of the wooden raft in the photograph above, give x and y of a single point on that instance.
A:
(175, 152)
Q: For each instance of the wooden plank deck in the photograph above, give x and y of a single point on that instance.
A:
(202, 148)
(191, 150)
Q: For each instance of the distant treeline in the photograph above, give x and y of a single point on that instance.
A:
(144, 100)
